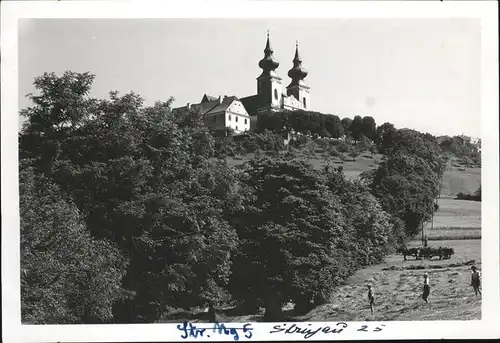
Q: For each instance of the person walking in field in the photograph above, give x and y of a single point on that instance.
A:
(427, 288)
(476, 280)
(371, 299)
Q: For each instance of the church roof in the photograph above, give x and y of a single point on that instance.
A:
(253, 103)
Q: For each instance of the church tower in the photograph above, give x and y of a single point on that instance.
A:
(269, 87)
(298, 87)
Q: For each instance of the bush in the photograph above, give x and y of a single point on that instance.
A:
(476, 196)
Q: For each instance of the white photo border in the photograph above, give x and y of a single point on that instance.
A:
(486, 11)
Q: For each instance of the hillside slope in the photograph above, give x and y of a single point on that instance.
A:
(455, 179)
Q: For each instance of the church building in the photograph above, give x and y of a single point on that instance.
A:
(240, 114)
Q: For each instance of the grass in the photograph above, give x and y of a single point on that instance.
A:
(446, 234)
(397, 286)
(455, 219)
(456, 181)
(398, 291)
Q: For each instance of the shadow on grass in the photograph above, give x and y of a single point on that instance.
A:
(437, 266)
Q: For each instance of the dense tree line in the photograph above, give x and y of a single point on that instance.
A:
(127, 210)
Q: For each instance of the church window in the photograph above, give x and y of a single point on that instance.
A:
(276, 94)
(245, 121)
(304, 100)
(236, 119)
(229, 117)
(236, 128)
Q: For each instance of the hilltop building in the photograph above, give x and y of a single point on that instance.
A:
(241, 114)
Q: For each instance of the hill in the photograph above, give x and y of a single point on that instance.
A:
(457, 178)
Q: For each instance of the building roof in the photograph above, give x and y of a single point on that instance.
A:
(254, 103)
(223, 106)
(207, 98)
(210, 105)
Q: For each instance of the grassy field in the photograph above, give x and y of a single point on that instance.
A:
(453, 234)
(398, 291)
(455, 219)
(397, 288)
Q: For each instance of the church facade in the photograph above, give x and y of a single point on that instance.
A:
(240, 114)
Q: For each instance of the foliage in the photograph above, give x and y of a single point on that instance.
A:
(462, 149)
(357, 128)
(407, 182)
(144, 179)
(384, 137)
(291, 235)
(146, 217)
(302, 232)
(370, 225)
(66, 275)
(368, 128)
(346, 124)
(476, 196)
(305, 122)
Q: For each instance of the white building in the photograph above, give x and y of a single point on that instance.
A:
(241, 114)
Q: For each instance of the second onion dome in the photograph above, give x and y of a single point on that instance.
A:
(297, 73)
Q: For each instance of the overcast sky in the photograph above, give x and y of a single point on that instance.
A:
(416, 73)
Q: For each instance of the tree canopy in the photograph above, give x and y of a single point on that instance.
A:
(129, 210)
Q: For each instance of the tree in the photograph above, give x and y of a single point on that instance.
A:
(357, 128)
(272, 121)
(334, 126)
(346, 124)
(59, 109)
(145, 180)
(290, 232)
(384, 137)
(369, 128)
(369, 224)
(364, 144)
(343, 147)
(406, 187)
(67, 277)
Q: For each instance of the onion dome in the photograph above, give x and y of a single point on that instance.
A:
(268, 63)
(297, 73)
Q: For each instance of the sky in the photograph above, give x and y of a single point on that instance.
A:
(422, 74)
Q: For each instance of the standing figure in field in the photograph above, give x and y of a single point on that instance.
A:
(427, 288)
(371, 299)
(476, 280)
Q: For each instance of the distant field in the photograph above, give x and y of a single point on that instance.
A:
(456, 181)
(457, 214)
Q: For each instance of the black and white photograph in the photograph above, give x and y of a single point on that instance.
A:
(211, 173)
